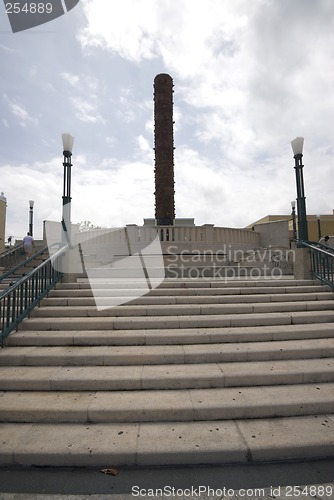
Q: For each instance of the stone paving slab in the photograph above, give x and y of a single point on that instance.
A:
(312, 317)
(75, 444)
(45, 406)
(191, 443)
(289, 439)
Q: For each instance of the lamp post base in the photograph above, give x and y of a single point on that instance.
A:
(302, 264)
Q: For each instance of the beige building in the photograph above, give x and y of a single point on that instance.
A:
(3, 206)
(314, 222)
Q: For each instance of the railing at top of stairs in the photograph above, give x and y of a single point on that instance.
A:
(19, 299)
(10, 255)
(322, 262)
(23, 262)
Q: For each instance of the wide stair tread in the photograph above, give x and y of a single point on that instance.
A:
(173, 354)
(168, 443)
(170, 336)
(167, 405)
(167, 376)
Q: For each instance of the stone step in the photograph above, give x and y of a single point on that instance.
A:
(186, 321)
(127, 310)
(167, 443)
(170, 336)
(237, 292)
(163, 406)
(313, 285)
(172, 354)
(176, 376)
(64, 300)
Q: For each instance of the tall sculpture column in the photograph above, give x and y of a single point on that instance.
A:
(164, 150)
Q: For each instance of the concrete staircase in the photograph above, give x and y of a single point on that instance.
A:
(195, 372)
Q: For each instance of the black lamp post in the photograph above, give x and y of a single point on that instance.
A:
(319, 227)
(297, 147)
(294, 227)
(68, 141)
(31, 217)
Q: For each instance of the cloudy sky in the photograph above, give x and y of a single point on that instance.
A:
(249, 76)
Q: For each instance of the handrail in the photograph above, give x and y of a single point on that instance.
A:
(23, 263)
(322, 262)
(22, 297)
(9, 254)
(10, 250)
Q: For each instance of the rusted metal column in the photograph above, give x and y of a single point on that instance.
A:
(164, 150)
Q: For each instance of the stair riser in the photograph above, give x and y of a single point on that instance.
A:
(169, 336)
(159, 359)
(201, 321)
(137, 415)
(180, 310)
(182, 300)
(187, 292)
(72, 381)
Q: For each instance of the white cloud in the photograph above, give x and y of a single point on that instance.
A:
(20, 112)
(111, 141)
(86, 111)
(253, 75)
(249, 65)
(40, 182)
(248, 76)
(83, 82)
(87, 104)
(128, 29)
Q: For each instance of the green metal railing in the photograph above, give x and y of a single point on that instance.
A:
(11, 255)
(322, 262)
(23, 262)
(18, 300)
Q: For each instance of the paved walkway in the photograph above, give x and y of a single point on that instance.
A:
(249, 482)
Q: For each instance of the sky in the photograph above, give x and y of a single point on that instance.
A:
(249, 76)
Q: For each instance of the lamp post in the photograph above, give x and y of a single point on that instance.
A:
(31, 217)
(68, 141)
(319, 226)
(297, 147)
(294, 227)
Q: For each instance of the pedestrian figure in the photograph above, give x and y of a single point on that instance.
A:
(28, 245)
(324, 240)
